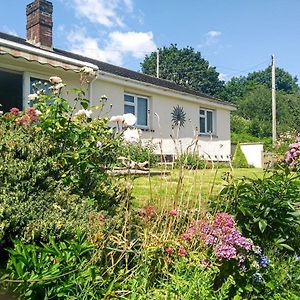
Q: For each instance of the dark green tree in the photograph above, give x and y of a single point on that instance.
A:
(185, 67)
(284, 80)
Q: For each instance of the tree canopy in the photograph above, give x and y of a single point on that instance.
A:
(185, 67)
(252, 95)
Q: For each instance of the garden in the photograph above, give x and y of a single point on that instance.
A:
(69, 229)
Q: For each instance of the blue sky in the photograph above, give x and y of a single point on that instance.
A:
(236, 36)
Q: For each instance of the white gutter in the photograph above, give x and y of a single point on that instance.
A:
(152, 88)
(47, 54)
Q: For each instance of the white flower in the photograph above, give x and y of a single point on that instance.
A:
(38, 112)
(99, 144)
(33, 97)
(84, 113)
(55, 79)
(88, 71)
(59, 86)
(129, 119)
(131, 135)
(1, 112)
(116, 119)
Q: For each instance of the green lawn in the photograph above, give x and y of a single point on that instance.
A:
(194, 190)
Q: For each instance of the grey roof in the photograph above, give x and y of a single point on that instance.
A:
(119, 71)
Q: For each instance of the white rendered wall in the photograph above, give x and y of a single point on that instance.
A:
(215, 147)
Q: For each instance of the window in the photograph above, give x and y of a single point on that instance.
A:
(38, 84)
(138, 106)
(11, 90)
(206, 121)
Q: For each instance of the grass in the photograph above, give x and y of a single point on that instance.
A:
(189, 188)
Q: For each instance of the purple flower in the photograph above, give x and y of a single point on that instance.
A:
(264, 261)
(225, 252)
(244, 243)
(210, 240)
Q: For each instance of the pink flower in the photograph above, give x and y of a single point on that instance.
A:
(182, 252)
(14, 111)
(185, 236)
(205, 263)
(224, 219)
(169, 251)
(173, 212)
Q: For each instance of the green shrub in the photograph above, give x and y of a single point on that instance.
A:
(53, 171)
(53, 271)
(239, 160)
(190, 161)
(139, 153)
(267, 209)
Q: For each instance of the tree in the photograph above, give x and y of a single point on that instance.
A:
(252, 96)
(284, 80)
(185, 67)
(239, 86)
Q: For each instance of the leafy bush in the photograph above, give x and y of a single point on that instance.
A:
(55, 270)
(266, 208)
(190, 161)
(53, 170)
(239, 159)
(139, 153)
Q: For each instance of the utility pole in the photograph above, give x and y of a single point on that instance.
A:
(274, 136)
(157, 63)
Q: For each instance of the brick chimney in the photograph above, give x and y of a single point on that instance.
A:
(39, 23)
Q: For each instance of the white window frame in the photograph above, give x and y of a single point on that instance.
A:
(135, 105)
(204, 116)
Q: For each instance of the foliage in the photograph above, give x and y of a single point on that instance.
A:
(52, 171)
(239, 159)
(236, 88)
(252, 95)
(184, 279)
(54, 270)
(139, 153)
(266, 208)
(185, 67)
(190, 161)
(237, 138)
(284, 80)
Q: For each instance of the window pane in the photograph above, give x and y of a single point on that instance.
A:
(202, 125)
(142, 118)
(209, 121)
(129, 109)
(129, 98)
(202, 112)
(39, 84)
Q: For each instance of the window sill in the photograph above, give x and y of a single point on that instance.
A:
(208, 135)
(146, 129)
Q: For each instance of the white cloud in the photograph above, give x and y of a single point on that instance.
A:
(138, 44)
(213, 34)
(104, 12)
(211, 38)
(223, 76)
(114, 48)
